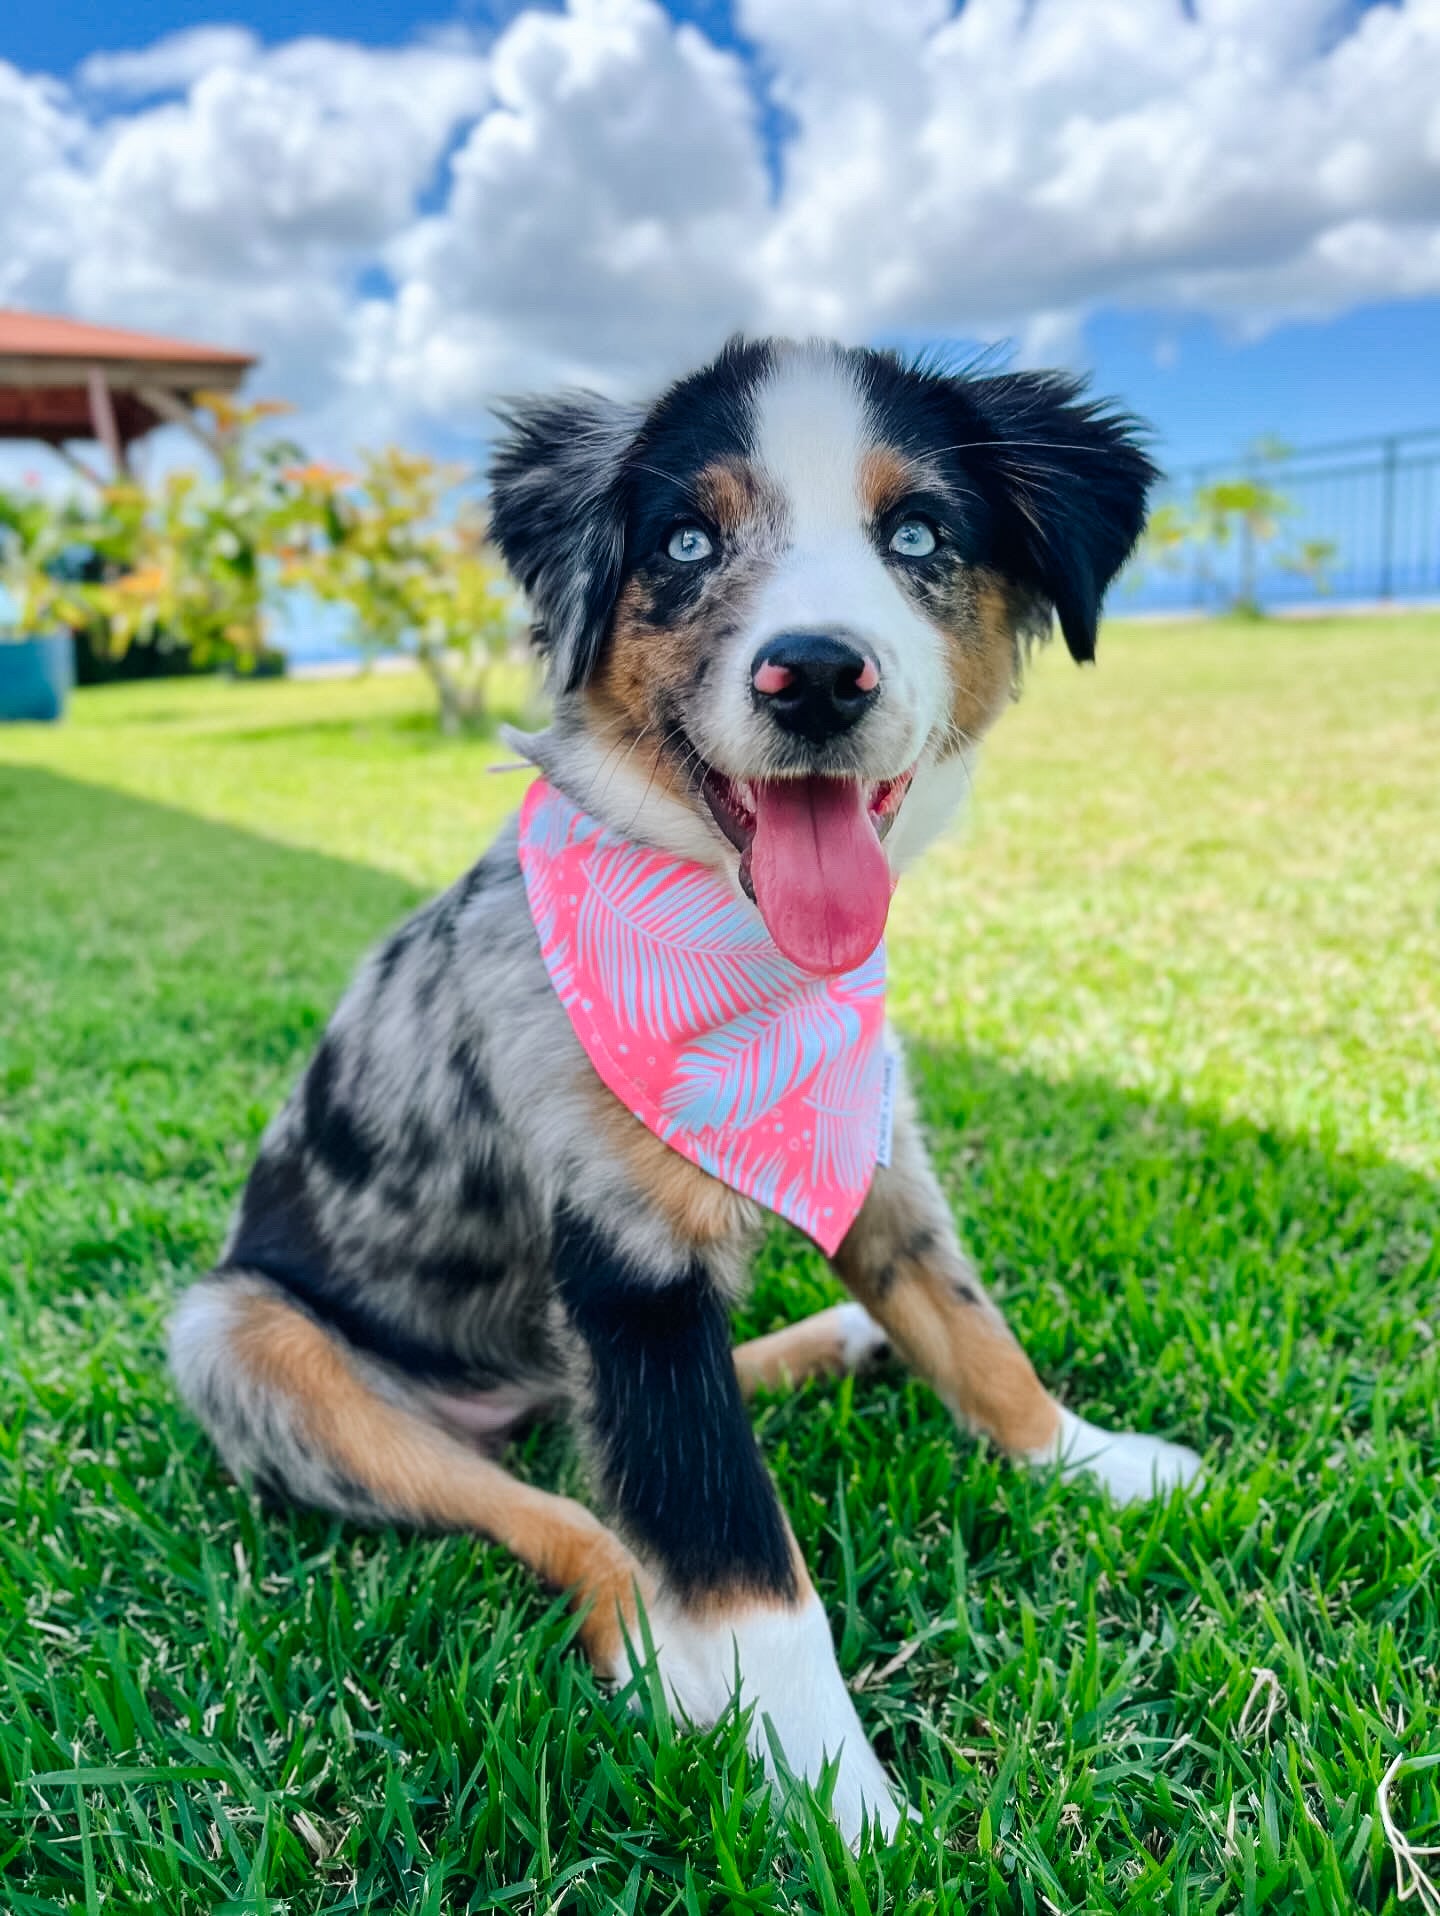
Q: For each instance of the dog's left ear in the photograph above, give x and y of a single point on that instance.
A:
(1068, 481)
(557, 512)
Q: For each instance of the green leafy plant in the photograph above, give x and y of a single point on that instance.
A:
(183, 563)
(202, 561)
(1243, 512)
(413, 566)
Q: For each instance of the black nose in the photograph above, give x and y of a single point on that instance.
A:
(815, 684)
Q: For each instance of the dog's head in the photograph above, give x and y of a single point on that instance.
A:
(781, 605)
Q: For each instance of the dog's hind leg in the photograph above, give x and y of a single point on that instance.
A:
(829, 1343)
(902, 1261)
(289, 1406)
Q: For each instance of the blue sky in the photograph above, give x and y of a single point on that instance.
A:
(489, 198)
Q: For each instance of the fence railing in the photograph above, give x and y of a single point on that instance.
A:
(1373, 503)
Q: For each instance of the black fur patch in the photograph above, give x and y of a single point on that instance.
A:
(1048, 487)
(676, 1450)
(704, 421)
(277, 1238)
(557, 510)
(392, 951)
(473, 1096)
(459, 1275)
(497, 864)
(330, 1130)
(484, 1192)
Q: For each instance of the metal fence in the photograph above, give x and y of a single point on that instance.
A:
(1374, 502)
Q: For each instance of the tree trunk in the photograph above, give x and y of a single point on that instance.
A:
(461, 705)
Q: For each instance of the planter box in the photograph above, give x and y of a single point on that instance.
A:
(36, 676)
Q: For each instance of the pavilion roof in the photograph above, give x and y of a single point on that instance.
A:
(48, 369)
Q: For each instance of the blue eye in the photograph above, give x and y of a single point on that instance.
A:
(689, 543)
(913, 539)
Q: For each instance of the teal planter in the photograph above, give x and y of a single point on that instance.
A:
(36, 676)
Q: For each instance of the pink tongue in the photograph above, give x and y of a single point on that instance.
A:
(819, 872)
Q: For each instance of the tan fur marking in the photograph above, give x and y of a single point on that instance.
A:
(641, 660)
(815, 1347)
(886, 476)
(729, 492)
(968, 1355)
(417, 1472)
(698, 1208)
(982, 660)
(902, 1262)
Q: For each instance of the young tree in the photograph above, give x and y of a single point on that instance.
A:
(1248, 511)
(201, 560)
(414, 575)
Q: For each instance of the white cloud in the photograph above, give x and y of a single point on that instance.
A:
(171, 64)
(1053, 156)
(41, 189)
(600, 215)
(244, 211)
(401, 232)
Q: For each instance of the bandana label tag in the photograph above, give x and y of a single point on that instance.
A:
(887, 1107)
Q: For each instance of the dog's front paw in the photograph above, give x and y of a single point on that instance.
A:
(802, 1717)
(862, 1342)
(1130, 1466)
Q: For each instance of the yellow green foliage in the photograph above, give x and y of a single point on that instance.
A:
(201, 560)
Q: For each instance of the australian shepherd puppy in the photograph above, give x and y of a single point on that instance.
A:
(780, 607)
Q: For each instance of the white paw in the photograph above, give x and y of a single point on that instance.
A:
(862, 1341)
(802, 1717)
(1130, 1466)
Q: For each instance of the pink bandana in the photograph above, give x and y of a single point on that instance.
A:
(769, 1078)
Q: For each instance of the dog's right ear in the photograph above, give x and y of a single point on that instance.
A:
(557, 512)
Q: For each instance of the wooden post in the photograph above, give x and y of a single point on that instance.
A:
(77, 464)
(175, 412)
(102, 418)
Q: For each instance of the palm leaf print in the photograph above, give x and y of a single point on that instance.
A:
(744, 1167)
(866, 981)
(845, 1099)
(801, 1205)
(734, 1075)
(544, 882)
(673, 953)
(547, 825)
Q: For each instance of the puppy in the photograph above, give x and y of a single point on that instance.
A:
(780, 607)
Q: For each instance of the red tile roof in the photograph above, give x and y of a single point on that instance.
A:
(37, 335)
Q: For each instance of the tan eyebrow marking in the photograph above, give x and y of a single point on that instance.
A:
(886, 475)
(730, 491)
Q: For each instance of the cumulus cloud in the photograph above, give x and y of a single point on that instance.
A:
(600, 215)
(171, 64)
(41, 187)
(595, 194)
(1017, 158)
(245, 209)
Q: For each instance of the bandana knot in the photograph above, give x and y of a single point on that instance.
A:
(770, 1078)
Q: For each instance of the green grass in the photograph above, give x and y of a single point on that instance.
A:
(1173, 1011)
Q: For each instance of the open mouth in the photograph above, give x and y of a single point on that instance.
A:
(812, 858)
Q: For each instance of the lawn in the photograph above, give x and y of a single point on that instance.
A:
(1172, 1004)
